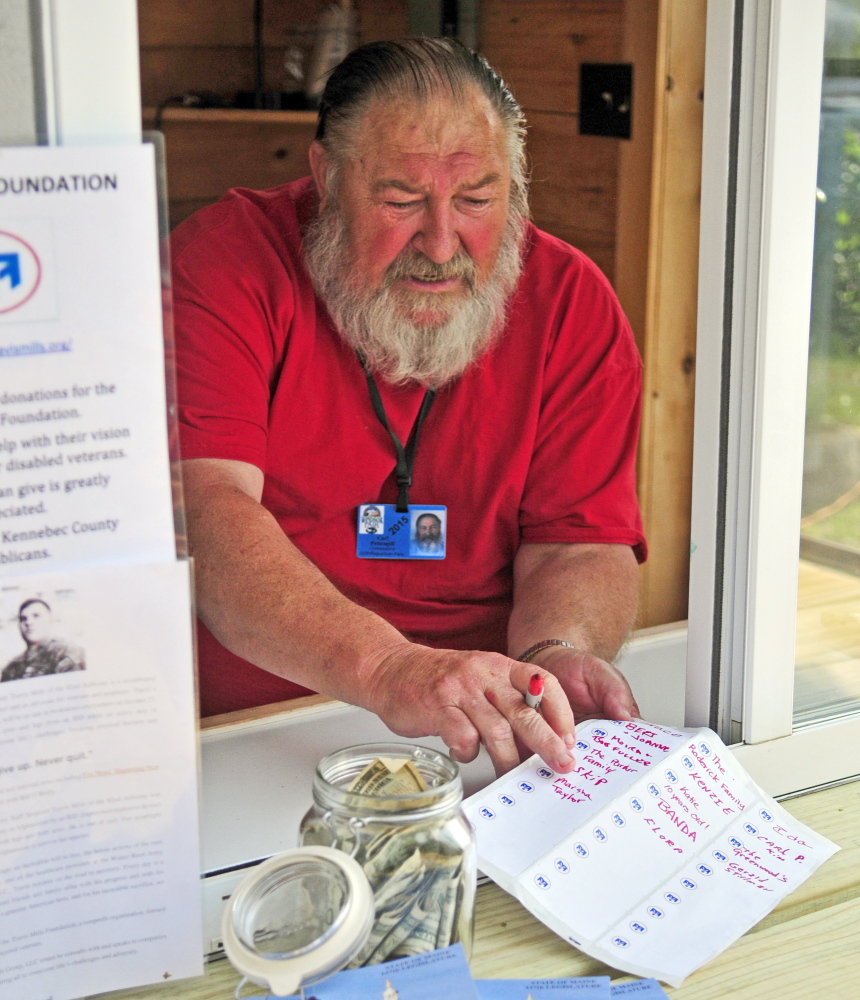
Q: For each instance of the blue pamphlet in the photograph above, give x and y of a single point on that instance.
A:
(641, 989)
(582, 988)
(384, 533)
(443, 973)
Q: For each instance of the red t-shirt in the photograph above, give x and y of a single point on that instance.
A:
(536, 443)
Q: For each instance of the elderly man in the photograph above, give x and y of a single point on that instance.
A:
(393, 331)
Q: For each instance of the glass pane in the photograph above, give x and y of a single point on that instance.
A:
(827, 676)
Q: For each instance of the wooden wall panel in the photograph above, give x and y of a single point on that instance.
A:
(207, 45)
(633, 204)
(666, 448)
(188, 23)
(537, 45)
(379, 20)
(573, 185)
(167, 72)
(573, 176)
(256, 155)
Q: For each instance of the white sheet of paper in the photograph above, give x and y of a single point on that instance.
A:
(656, 854)
(99, 854)
(84, 469)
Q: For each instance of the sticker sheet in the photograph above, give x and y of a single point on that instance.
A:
(654, 855)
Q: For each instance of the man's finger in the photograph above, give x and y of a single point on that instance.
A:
(459, 735)
(496, 733)
(613, 693)
(554, 706)
(532, 729)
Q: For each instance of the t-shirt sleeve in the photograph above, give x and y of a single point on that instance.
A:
(232, 298)
(581, 485)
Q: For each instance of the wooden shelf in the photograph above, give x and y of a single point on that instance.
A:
(232, 116)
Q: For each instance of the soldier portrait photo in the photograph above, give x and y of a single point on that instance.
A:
(44, 652)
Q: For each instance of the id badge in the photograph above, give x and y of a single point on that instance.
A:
(383, 533)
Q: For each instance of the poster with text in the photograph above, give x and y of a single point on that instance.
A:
(99, 856)
(84, 468)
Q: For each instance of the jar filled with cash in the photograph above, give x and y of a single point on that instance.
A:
(395, 808)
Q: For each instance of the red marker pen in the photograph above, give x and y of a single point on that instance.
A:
(535, 692)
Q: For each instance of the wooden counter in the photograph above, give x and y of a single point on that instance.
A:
(808, 947)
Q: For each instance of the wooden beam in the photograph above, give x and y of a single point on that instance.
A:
(666, 448)
(633, 204)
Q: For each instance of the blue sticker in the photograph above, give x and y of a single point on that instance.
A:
(383, 533)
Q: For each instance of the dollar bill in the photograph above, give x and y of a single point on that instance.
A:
(393, 904)
(415, 872)
(389, 776)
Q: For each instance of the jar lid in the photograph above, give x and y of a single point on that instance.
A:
(298, 918)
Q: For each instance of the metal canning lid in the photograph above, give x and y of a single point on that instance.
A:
(298, 918)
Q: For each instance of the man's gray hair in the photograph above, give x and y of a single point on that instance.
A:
(417, 69)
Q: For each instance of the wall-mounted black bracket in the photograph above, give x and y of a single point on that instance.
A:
(606, 99)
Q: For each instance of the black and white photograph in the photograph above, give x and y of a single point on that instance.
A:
(46, 650)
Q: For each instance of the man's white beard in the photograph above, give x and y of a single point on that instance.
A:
(378, 324)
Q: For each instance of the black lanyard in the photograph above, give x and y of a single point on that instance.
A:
(405, 456)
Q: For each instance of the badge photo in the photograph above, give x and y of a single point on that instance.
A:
(416, 533)
(427, 532)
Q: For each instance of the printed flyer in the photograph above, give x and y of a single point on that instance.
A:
(84, 468)
(99, 854)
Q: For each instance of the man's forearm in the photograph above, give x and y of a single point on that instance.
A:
(266, 602)
(584, 594)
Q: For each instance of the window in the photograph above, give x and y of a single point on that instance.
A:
(762, 239)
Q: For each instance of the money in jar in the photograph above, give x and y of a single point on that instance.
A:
(395, 808)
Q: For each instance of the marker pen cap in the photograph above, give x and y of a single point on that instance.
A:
(298, 918)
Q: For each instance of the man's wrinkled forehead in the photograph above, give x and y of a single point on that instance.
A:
(405, 142)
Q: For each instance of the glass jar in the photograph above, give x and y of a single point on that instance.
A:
(417, 849)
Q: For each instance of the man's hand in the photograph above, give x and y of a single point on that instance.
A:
(469, 698)
(596, 689)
